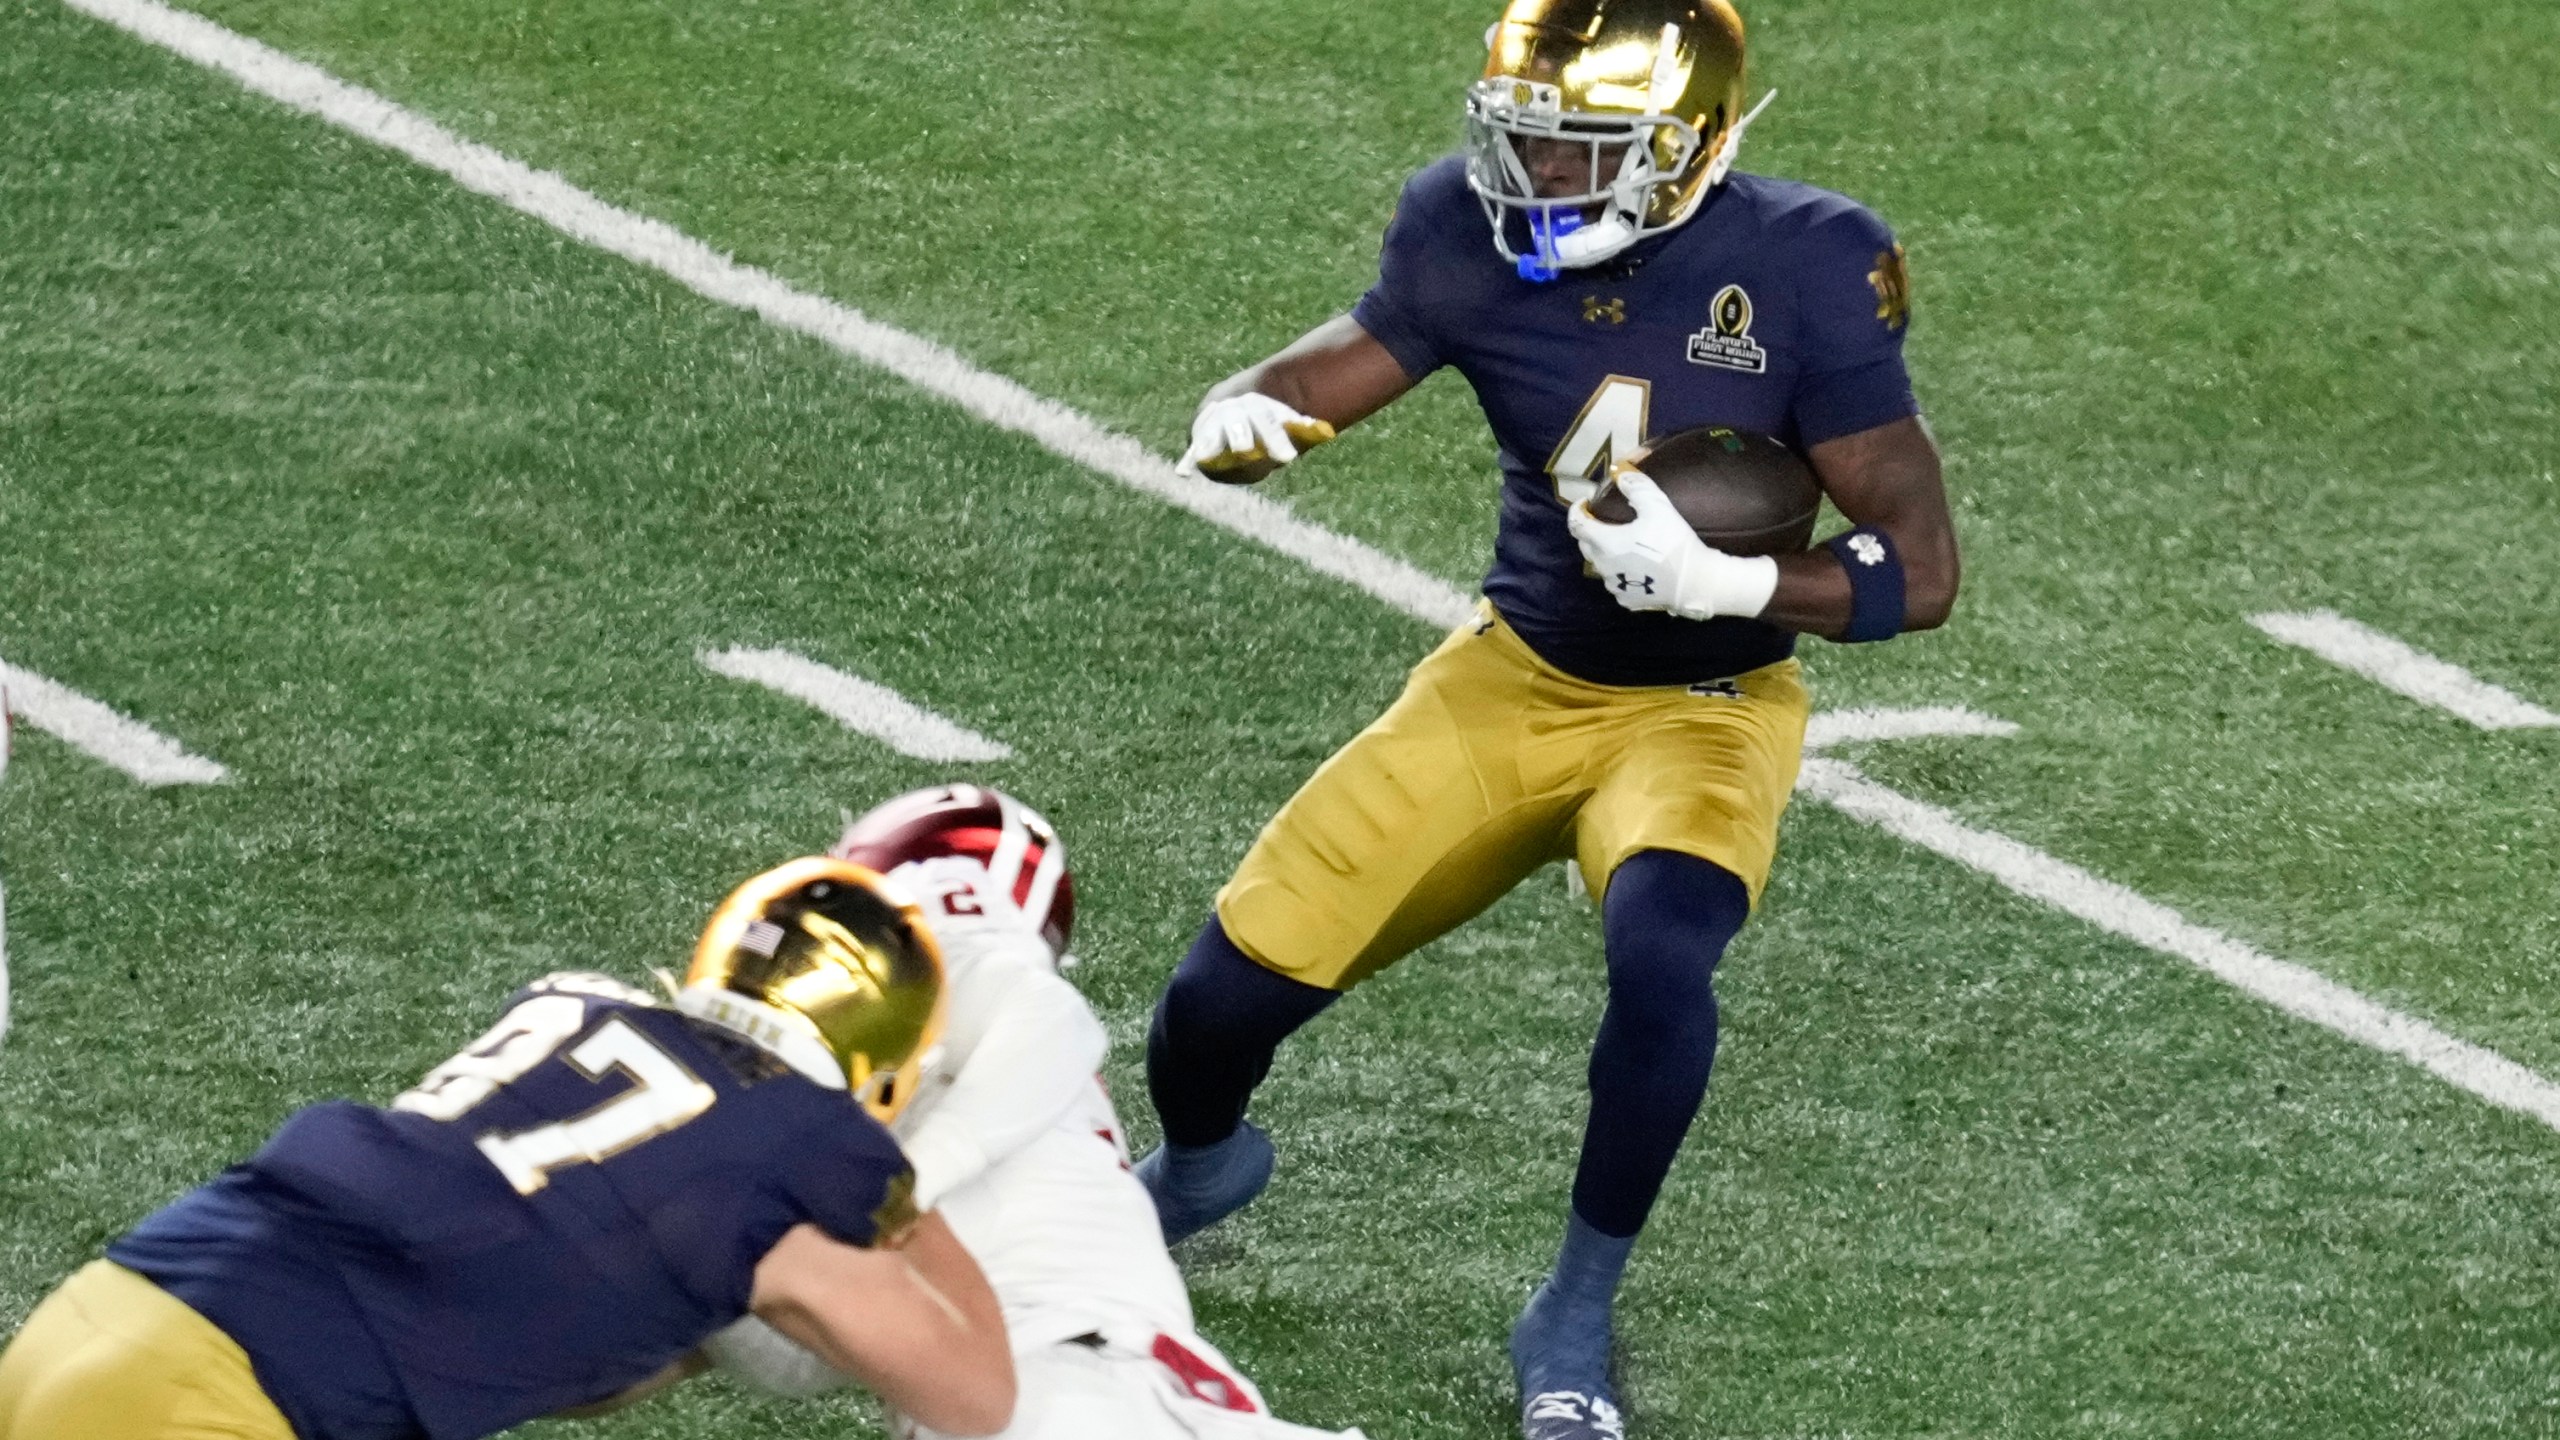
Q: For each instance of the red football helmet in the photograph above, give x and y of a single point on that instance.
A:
(1018, 849)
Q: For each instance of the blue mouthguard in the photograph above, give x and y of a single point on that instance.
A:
(1546, 226)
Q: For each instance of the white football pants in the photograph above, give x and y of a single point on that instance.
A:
(1075, 1392)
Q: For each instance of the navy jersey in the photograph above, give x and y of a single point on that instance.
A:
(1778, 308)
(548, 1219)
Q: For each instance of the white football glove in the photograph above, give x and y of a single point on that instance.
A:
(1241, 429)
(1656, 562)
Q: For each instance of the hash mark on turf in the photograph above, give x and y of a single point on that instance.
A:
(1849, 727)
(102, 734)
(857, 704)
(2395, 666)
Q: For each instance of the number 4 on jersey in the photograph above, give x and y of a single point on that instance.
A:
(1611, 427)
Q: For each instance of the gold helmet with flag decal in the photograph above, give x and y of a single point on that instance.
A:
(1652, 92)
(824, 963)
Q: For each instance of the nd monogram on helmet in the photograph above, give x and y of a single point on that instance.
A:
(1650, 91)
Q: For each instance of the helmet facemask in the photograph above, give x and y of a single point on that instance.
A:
(1631, 195)
(1649, 92)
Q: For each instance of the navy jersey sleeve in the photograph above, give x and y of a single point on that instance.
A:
(1395, 311)
(1856, 301)
(851, 1180)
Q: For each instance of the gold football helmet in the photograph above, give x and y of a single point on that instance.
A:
(821, 962)
(1652, 88)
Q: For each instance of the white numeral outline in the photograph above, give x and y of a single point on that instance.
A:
(1611, 427)
(517, 1043)
(663, 1095)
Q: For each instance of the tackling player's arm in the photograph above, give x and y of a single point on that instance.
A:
(1887, 479)
(914, 1321)
(1258, 419)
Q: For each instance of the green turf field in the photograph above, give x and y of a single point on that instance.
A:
(414, 514)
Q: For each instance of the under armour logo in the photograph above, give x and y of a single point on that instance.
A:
(1868, 549)
(1629, 584)
(1595, 310)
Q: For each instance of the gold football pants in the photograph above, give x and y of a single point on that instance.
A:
(111, 1356)
(1491, 764)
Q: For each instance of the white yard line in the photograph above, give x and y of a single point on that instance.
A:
(1007, 405)
(2299, 992)
(858, 704)
(92, 728)
(2395, 666)
(696, 266)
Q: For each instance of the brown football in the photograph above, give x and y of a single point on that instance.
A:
(1744, 494)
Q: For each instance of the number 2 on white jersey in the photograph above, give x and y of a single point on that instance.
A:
(1611, 427)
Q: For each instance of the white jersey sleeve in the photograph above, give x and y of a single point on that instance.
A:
(1019, 1049)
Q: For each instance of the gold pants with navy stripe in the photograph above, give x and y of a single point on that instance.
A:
(111, 1356)
(1491, 764)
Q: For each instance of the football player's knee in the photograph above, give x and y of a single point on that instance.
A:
(1215, 1028)
(1667, 921)
(1219, 994)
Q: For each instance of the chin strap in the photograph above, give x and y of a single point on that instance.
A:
(1732, 145)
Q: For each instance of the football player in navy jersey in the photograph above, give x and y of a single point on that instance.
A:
(554, 1220)
(1627, 697)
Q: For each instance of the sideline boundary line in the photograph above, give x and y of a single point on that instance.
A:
(1009, 405)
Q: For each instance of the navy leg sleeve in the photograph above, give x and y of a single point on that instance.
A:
(1217, 1025)
(1668, 919)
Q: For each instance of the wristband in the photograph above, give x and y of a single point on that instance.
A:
(1875, 583)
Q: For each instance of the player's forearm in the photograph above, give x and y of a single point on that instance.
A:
(1890, 480)
(960, 1380)
(918, 1324)
(1336, 373)
(1283, 377)
(1814, 595)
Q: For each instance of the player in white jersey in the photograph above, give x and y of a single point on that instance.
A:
(1015, 1142)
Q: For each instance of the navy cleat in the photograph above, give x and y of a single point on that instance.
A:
(1560, 1352)
(1196, 1186)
